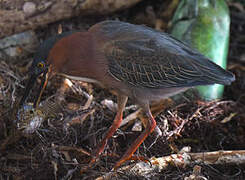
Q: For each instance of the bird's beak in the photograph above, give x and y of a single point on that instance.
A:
(44, 82)
(29, 86)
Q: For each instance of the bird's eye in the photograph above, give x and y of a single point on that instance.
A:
(40, 65)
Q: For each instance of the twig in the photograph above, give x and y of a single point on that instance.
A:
(181, 161)
(130, 117)
(69, 148)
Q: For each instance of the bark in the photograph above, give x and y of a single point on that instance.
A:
(33, 14)
(181, 161)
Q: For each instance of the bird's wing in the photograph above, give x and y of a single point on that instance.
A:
(145, 63)
(144, 57)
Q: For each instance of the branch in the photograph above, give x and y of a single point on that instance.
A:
(34, 15)
(181, 161)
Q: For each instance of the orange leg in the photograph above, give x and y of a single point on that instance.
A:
(121, 100)
(148, 130)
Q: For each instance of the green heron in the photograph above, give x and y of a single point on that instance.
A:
(131, 60)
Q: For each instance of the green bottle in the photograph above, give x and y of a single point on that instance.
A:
(205, 26)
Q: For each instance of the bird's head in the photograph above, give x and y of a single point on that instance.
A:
(40, 67)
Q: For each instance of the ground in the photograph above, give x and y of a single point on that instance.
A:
(60, 147)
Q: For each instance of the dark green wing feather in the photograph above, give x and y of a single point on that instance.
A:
(146, 58)
(136, 63)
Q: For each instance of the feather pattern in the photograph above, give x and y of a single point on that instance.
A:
(146, 58)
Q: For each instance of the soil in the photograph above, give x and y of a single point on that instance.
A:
(61, 146)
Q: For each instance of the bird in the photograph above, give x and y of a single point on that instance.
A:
(133, 61)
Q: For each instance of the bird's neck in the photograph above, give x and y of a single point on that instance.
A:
(73, 57)
(70, 52)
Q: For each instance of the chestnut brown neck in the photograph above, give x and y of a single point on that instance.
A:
(72, 55)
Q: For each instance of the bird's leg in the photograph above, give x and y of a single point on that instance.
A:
(121, 101)
(156, 108)
(148, 130)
